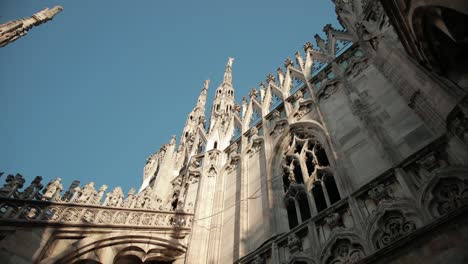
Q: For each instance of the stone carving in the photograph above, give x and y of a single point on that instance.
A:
(68, 195)
(87, 193)
(31, 212)
(279, 124)
(12, 184)
(253, 94)
(52, 190)
(255, 142)
(328, 88)
(288, 63)
(106, 217)
(213, 155)
(114, 198)
(379, 193)
(302, 107)
(89, 216)
(449, 194)
(393, 226)
(458, 125)
(234, 158)
(294, 243)
(258, 260)
(121, 218)
(356, 66)
(430, 162)
(32, 191)
(334, 220)
(345, 252)
(13, 30)
(130, 201)
(212, 171)
(270, 78)
(71, 215)
(143, 199)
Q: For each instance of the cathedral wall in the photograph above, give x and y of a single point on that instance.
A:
(22, 245)
(352, 138)
(258, 228)
(231, 220)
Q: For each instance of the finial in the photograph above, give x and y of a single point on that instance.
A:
(228, 72)
(307, 46)
(270, 78)
(206, 84)
(253, 93)
(327, 28)
(288, 62)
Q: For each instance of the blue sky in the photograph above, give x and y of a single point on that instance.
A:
(90, 94)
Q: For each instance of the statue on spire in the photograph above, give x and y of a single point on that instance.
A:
(228, 72)
(15, 29)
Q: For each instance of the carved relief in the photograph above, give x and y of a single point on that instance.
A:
(356, 66)
(234, 158)
(328, 88)
(302, 106)
(294, 243)
(255, 142)
(71, 215)
(449, 194)
(89, 216)
(379, 193)
(52, 190)
(334, 220)
(278, 124)
(344, 251)
(392, 226)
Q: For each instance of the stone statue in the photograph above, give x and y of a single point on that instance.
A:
(114, 198)
(87, 193)
(130, 199)
(52, 190)
(143, 199)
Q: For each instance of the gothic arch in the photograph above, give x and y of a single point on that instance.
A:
(446, 191)
(144, 246)
(392, 221)
(343, 247)
(304, 158)
(439, 27)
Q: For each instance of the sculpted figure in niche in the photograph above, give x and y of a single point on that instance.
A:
(114, 198)
(52, 189)
(87, 193)
(144, 198)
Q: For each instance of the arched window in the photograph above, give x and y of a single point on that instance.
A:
(332, 190)
(319, 196)
(215, 146)
(303, 206)
(292, 215)
(306, 167)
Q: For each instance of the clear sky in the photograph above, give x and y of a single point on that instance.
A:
(90, 94)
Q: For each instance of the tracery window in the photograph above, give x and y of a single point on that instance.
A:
(305, 163)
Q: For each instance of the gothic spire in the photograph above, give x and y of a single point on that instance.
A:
(202, 97)
(228, 72)
(15, 29)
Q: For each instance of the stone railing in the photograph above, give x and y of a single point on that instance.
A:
(15, 210)
(83, 205)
